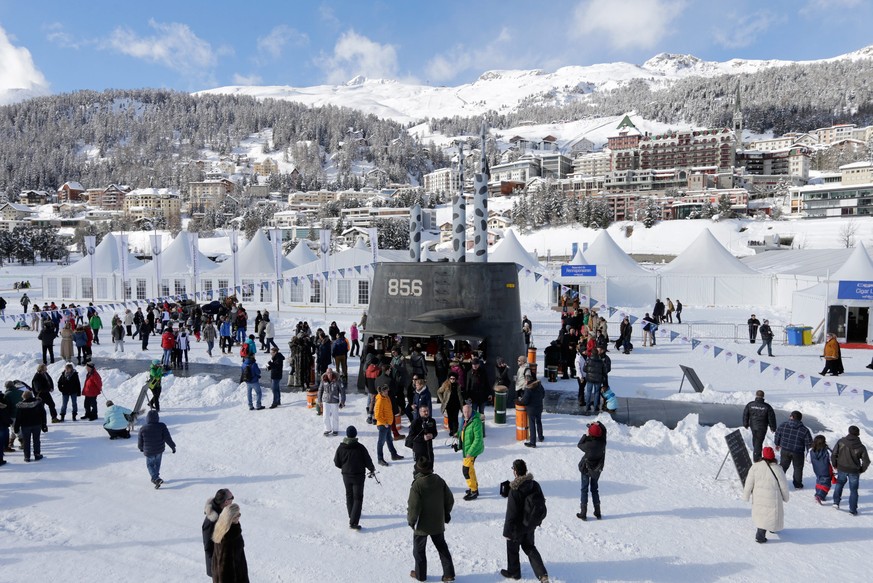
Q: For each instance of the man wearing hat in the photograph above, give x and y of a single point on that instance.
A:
(353, 459)
(850, 459)
(532, 399)
(428, 509)
(519, 535)
(766, 338)
(758, 416)
(794, 440)
(593, 445)
(29, 420)
(754, 324)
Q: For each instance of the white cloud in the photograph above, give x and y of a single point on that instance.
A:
(460, 58)
(355, 55)
(814, 6)
(328, 15)
(17, 70)
(174, 46)
(626, 24)
(274, 42)
(253, 79)
(56, 33)
(742, 30)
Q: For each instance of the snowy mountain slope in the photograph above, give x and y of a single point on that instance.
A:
(503, 90)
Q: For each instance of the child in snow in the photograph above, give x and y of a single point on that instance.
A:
(156, 373)
(820, 458)
(610, 401)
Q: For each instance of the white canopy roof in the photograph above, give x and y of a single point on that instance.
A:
(706, 256)
(106, 260)
(610, 259)
(810, 262)
(256, 258)
(301, 254)
(578, 259)
(176, 259)
(510, 250)
(858, 267)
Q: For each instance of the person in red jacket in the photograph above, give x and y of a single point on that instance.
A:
(168, 343)
(93, 387)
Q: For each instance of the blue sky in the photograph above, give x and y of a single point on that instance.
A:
(60, 46)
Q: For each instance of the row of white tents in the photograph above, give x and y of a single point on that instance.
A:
(705, 274)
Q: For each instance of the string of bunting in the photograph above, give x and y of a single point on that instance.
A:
(207, 295)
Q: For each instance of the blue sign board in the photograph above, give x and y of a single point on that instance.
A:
(853, 290)
(580, 271)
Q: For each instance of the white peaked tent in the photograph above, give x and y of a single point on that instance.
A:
(73, 282)
(846, 317)
(301, 254)
(532, 286)
(177, 262)
(627, 284)
(706, 273)
(256, 263)
(591, 286)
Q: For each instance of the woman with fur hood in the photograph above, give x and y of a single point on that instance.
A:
(229, 555)
(768, 489)
(214, 506)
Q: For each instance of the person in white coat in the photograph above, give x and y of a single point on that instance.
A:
(768, 490)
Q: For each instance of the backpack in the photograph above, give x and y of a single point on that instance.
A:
(244, 351)
(246, 375)
(534, 511)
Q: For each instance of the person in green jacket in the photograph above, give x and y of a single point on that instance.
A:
(428, 510)
(96, 323)
(156, 374)
(472, 445)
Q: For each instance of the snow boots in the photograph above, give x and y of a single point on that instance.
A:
(597, 512)
(583, 514)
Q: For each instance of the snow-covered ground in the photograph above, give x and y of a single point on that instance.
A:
(87, 512)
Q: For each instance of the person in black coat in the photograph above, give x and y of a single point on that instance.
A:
(754, 324)
(43, 385)
(5, 423)
(322, 357)
(758, 416)
(229, 556)
(29, 420)
(214, 506)
(354, 460)
(274, 365)
(518, 535)
(593, 445)
(423, 432)
(478, 391)
(552, 356)
(532, 398)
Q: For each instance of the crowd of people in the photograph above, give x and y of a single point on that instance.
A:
(397, 385)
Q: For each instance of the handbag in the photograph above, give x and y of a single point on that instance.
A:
(408, 441)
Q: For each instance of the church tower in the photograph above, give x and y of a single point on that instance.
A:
(737, 120)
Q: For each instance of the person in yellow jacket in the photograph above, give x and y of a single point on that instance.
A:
(383, 412)
(472, 445)
(833, 357)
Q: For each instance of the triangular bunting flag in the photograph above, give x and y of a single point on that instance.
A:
(841, 388)
(537, 276)
(716, 351)
(519, 267)
(740, 358)
(673, 335)
(591, 303)
(788, 373)
(728, 355)
(612, 312)
(751, 362)
(358, 269)
(324, 275)
(694, 343)
(867, 395)
(632, 319)
(764, 366)
(814, 380)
